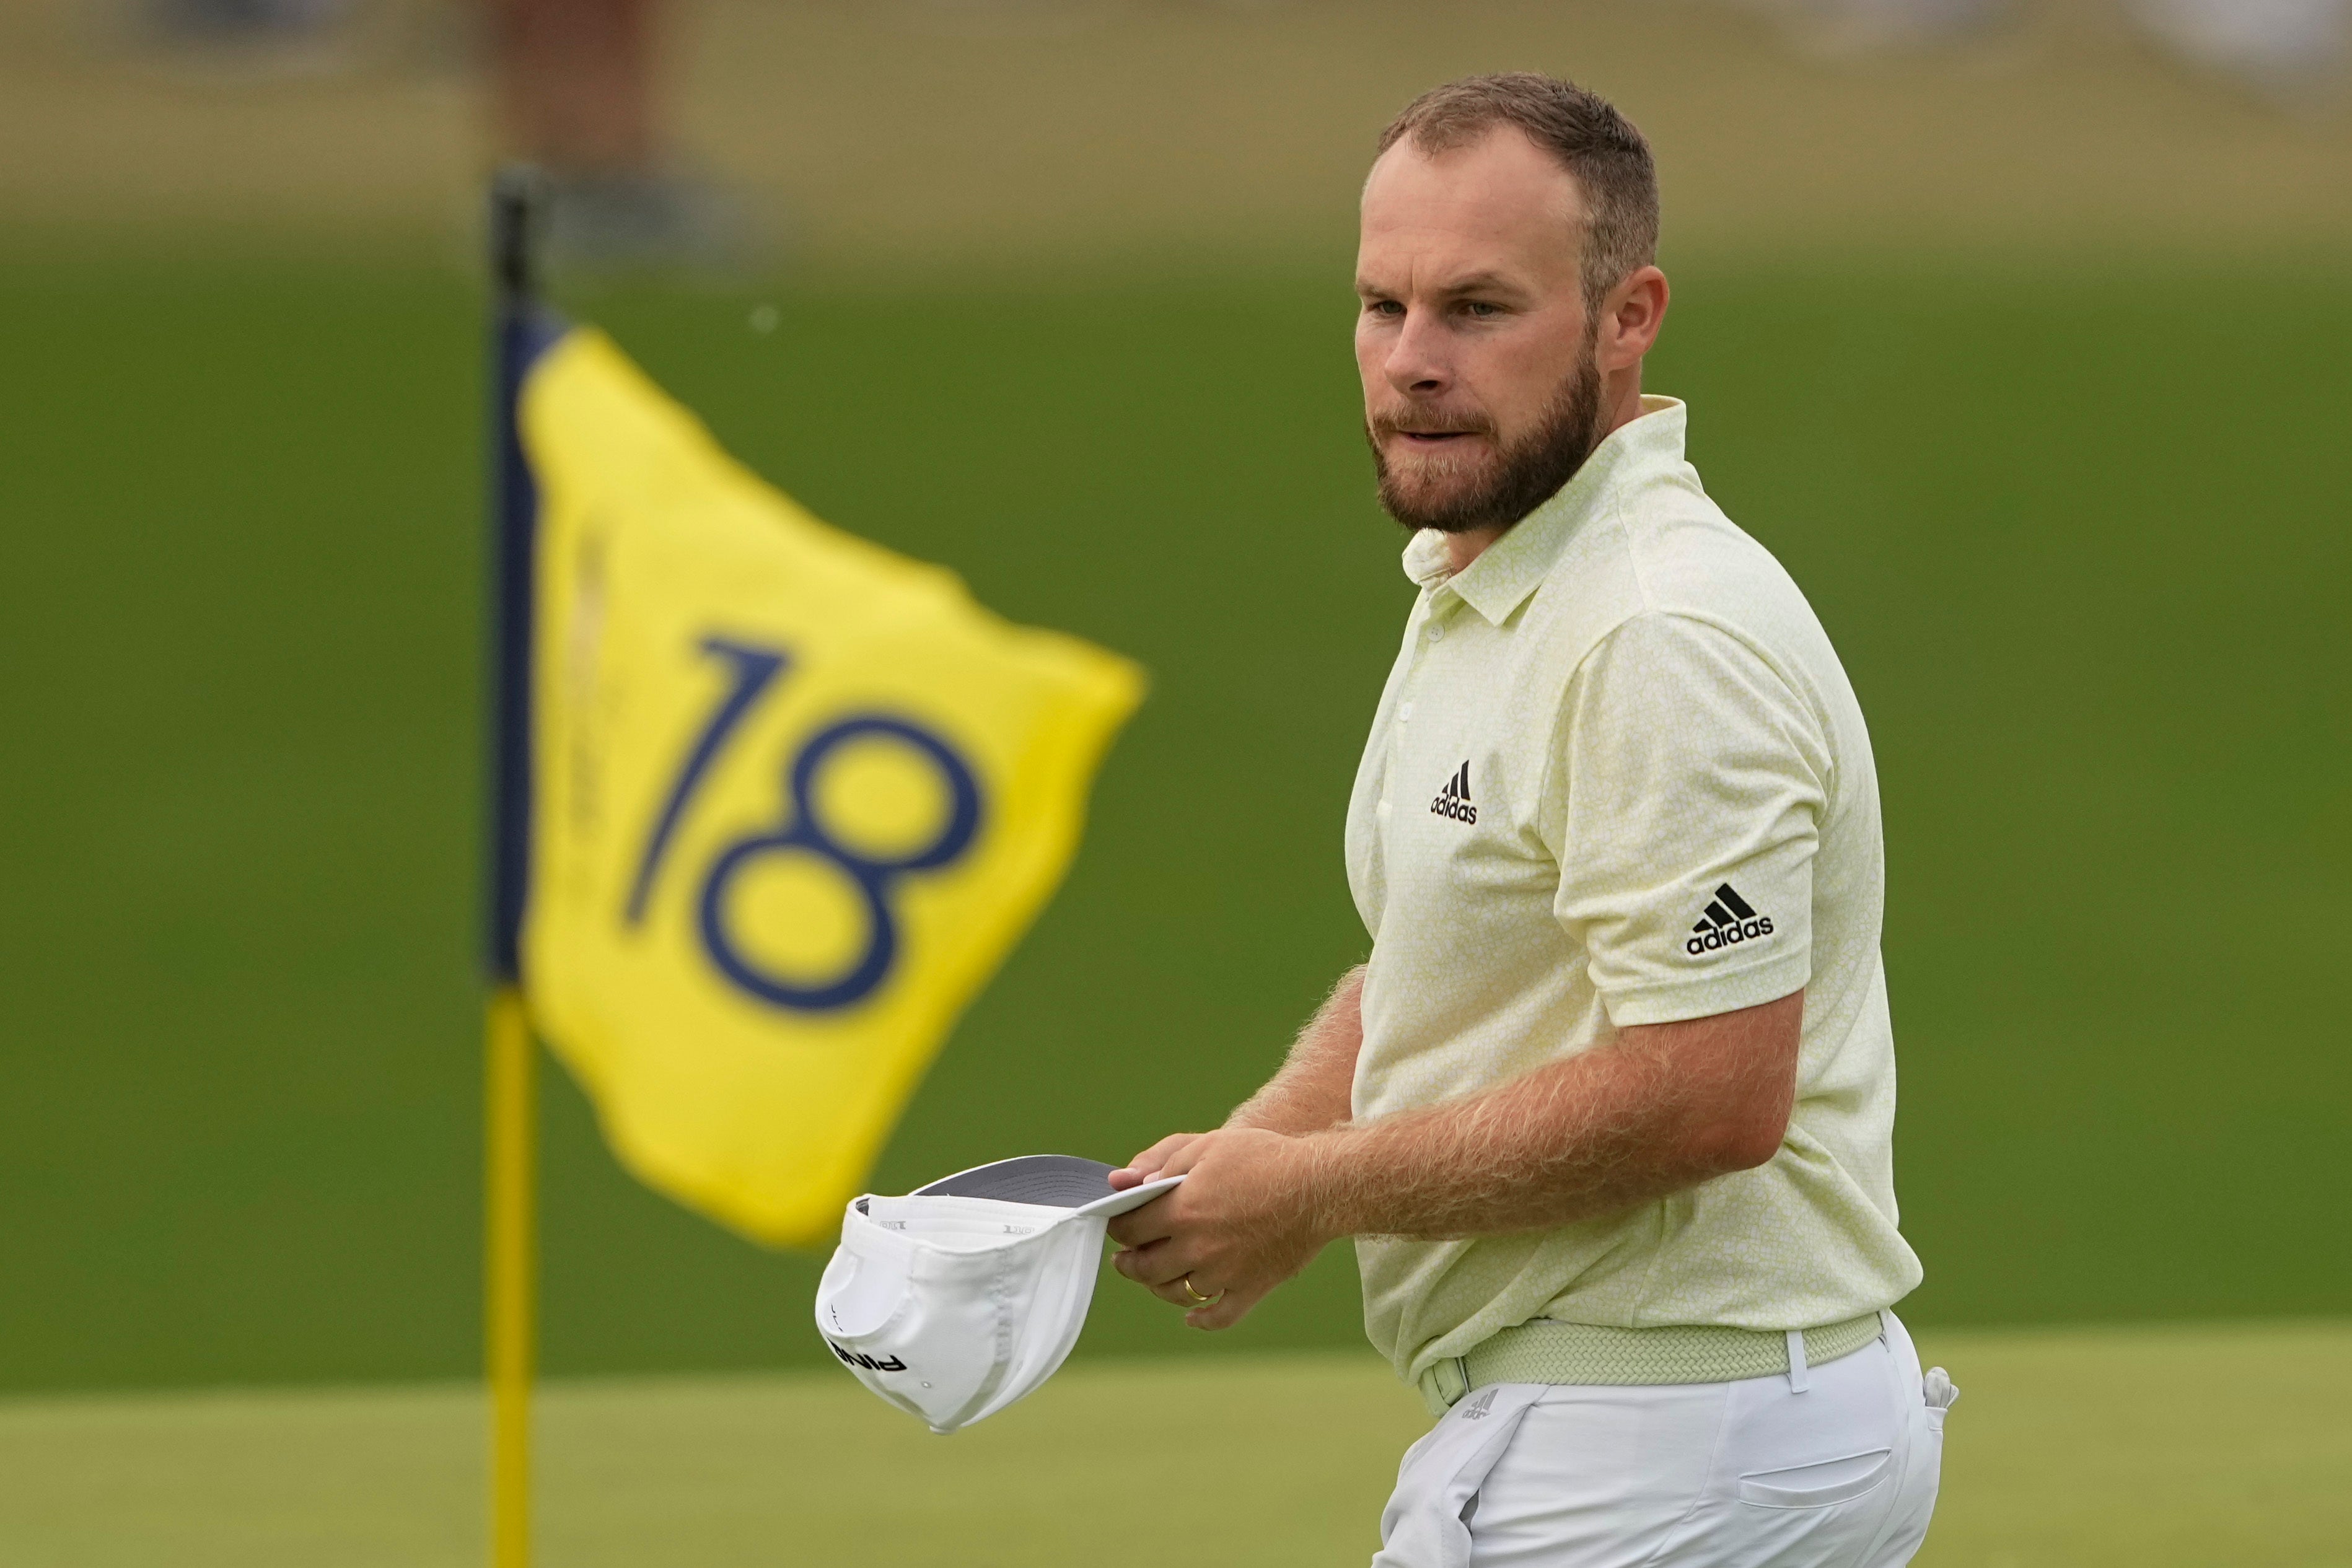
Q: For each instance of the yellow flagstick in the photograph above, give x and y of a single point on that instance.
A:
(509, 1292)
(512, 1274)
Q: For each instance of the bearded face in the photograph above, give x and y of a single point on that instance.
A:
(1491, 365)
(1454, 470)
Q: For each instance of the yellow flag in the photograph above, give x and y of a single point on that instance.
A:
(793, 798)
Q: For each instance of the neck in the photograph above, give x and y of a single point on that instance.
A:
(1463, 548)
(1621, 405)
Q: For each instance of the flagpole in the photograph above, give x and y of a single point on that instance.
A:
(510, 1277)
(510, 1060)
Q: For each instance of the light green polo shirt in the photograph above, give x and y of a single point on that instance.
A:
(1618, 777)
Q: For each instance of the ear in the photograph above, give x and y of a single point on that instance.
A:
(1630, 320)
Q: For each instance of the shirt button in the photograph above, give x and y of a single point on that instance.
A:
(1404, 714)
(1436, 633)
(1384, 808)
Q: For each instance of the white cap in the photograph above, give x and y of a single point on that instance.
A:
(959, 1298)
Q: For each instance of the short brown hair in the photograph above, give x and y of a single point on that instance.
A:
(1598, 146)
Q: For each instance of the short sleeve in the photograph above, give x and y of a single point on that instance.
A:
(1688, 785)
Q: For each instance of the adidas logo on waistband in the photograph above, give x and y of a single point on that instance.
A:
(1729, 921)
(1453, 800)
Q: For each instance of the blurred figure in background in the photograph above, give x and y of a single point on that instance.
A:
(2289, 50)
(273, 37)
(208, 20)
(576, 91)
(1863, 24)
(575, 88)
(575, 83)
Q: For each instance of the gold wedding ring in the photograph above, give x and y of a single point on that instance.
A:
(1198, 1299)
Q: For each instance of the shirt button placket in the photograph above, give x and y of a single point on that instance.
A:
(1434, 633)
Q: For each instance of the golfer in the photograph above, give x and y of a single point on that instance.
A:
(1609, 1111)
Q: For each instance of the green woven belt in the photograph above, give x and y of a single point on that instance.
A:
(1547, 1352)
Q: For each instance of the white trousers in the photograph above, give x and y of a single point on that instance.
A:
(1831, 1467)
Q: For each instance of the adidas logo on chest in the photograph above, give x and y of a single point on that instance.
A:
(1453, 800)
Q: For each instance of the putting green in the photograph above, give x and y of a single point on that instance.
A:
(2147, 1447)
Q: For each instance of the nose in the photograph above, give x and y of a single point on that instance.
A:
(1416, 364)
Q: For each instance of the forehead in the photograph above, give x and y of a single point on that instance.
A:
(1499, 203)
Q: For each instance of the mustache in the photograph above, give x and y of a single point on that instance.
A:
(1428, 422)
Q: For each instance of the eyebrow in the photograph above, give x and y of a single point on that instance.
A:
(1476, 283)
(1482, 283)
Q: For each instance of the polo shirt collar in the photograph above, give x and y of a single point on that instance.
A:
(1510, 569)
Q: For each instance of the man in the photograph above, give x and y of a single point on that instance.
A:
(1608, 1111)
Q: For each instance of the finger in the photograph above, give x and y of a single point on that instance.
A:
(1226, 1311)
(1146, 1165)
(1141, 1227)
(1188, 1291)
(1176, 1295)
(1156, 1265)
(1154, 1221)
(1187, 1155)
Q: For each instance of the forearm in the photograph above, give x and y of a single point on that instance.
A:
(1312, 1091)
(1658, 1111)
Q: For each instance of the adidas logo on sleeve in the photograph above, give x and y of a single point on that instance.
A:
(1453, 800)
(1729, 921)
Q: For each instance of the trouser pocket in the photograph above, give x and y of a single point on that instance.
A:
(1818, 1485)
(1425, 1523)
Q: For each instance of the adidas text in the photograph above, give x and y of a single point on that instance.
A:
(1729, 921)
(1453, 800)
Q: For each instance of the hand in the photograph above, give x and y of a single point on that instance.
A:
(1243, 1222)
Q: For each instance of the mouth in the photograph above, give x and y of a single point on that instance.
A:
(1427, 439)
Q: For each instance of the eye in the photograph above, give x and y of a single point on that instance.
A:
(1481, 309)
(1389, 307)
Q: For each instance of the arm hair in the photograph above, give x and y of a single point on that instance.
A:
(1312, 1091)
(1661, 1108)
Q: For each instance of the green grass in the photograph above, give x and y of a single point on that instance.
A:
(2080, 536)
(2177, 1448)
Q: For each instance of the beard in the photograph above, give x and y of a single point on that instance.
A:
(1455, 494)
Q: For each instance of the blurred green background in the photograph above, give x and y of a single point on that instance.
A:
(2078, 530)
(2025, 352)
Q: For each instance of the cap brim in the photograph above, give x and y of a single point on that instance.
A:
(1051, 1181)
(1133, 1198)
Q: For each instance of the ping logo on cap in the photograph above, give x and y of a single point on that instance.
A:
(851, 1358)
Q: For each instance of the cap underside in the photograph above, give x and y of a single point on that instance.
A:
(1055, 1181)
